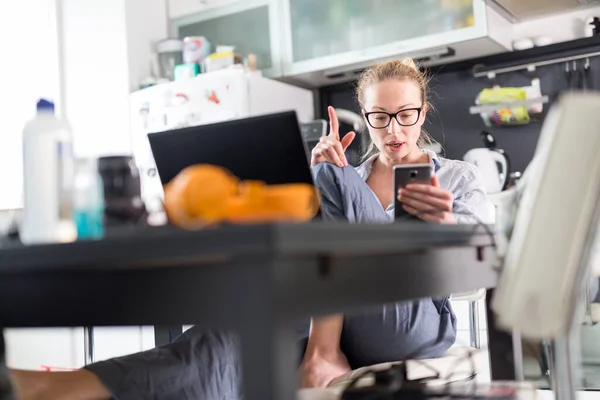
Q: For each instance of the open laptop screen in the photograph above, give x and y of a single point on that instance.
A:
(268, 148)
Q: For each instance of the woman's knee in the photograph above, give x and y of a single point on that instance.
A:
(326, 174)
(398, 332)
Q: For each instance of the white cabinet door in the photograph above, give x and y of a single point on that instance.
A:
(33, 349)
(323, 34)
(251, 26)
(181, 8)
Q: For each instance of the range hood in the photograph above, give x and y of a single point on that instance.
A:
(522, 10)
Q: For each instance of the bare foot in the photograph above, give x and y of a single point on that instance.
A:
(317, 371)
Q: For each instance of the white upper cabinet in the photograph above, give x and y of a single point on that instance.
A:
(319, 41)
(322, 28)
(252, 26)
(334, 33)
(181, 8)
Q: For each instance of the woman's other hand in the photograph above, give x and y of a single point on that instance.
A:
(319, 370)
(431, 203)
(330, 148)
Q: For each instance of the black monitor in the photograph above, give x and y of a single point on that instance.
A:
(269, 148)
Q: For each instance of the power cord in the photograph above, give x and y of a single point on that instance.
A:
(479, 223)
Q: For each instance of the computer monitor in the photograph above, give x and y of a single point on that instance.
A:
(269, 148)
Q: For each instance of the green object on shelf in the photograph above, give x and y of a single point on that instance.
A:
(185, 71)
(517, 115)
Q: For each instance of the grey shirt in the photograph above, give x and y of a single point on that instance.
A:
(471, 203)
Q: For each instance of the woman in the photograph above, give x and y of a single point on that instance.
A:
(393, 99)
(205, 365)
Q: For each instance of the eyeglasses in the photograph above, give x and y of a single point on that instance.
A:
(406, 117)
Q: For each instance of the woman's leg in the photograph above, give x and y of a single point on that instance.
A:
(423, 328)
(416, 329)
(346, 196)
(198, 365)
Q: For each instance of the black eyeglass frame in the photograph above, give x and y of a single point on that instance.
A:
(395, 116)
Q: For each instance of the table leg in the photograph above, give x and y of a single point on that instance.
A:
(269, 364)
(500, 346)
(166, 334)
(269, 344)
(6, 392)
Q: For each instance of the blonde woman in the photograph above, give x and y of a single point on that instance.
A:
(394, 103)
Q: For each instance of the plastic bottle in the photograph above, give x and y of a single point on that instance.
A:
(88, 200)
(48, 179)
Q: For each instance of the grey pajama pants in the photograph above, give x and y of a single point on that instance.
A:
(206, 364)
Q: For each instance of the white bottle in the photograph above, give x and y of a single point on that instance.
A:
(48, 169)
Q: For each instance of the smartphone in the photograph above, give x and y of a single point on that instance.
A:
(403, 175)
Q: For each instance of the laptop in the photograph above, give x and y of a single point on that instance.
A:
(269, 148)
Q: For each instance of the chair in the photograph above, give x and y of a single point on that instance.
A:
(474, 328)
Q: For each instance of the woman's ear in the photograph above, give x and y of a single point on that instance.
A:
(424, 110)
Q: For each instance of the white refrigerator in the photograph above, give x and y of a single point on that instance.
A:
(208, 98)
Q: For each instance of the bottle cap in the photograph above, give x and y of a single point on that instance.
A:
(45, 105)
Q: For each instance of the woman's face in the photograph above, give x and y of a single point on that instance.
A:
(396, 141)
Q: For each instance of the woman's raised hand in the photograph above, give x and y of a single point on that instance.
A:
(330, 148)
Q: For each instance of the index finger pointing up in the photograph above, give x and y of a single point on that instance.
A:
(334, 125)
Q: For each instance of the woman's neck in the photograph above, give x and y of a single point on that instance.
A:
(416, 157)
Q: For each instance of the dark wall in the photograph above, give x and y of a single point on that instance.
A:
(454, 89)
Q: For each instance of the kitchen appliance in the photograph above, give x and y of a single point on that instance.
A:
(493, 163)
(122, 202)
(312, 132)
(208, 98)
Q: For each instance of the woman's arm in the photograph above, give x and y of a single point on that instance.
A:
(75, 385)
(323, 359)
(472, 204)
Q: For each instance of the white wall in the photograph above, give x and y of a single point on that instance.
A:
(107, 46)
(560, 28)
(53, 347)
(147, 23)
(29, 70)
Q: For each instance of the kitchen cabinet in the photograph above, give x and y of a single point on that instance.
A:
(319, 41)
(252, 26)
(328, 34)
(181, 8)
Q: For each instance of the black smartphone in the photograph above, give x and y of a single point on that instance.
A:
(403, 175)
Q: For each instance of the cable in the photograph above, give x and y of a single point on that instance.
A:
(479, 223)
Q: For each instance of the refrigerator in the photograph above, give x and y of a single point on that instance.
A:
(208, 98)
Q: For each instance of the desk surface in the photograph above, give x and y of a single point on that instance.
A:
(165, 276)
(168, 246)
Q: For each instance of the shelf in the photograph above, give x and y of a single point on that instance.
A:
(487, 108)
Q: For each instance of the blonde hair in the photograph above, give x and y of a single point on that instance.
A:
(399, 70)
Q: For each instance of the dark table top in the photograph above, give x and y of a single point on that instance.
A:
(164, 276)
